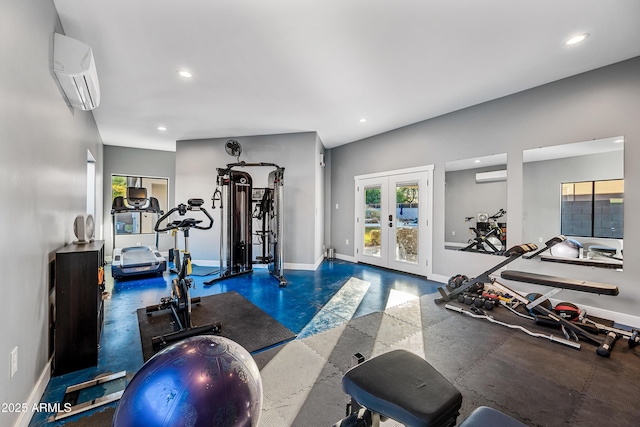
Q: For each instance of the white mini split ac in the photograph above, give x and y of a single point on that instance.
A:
(76, 71)
(84, 228)
(491, 176)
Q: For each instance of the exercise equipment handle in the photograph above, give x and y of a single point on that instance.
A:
(203, 210)
(170, 225)
(548, 244)
(498, 214)
(189, 222)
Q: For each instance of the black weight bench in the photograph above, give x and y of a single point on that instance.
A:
(404, 387)
(560, 282)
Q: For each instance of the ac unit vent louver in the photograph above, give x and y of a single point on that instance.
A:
(75, 69)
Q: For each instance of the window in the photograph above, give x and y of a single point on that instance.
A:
(593, 209)
(138, 222)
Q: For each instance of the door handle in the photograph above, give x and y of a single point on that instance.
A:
(390, 217)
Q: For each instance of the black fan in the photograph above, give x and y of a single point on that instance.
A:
(233, 148)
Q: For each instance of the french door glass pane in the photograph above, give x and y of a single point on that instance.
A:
(372, 221)
(407, 222)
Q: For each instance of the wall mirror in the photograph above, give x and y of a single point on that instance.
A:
(475, 204)
(577, 190)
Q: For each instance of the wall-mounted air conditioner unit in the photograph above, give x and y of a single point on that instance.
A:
(76, 71)
(492, 176)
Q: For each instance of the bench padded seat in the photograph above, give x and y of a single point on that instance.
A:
(404, 387)
(489, 417)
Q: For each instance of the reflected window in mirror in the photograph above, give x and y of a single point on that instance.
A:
(593, 209)
(576, 189)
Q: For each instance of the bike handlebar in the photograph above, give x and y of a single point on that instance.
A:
(498, 214)
(193, 205)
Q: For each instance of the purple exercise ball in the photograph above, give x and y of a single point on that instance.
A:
(206, 380)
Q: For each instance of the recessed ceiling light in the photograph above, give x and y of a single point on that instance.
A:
(162, 128)
(577, 39)
(362, 120)
(184, 73)
(477, 161)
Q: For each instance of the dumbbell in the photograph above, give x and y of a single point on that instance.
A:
(467, 298)
(634, 339)
(484, 302)
(456, 281)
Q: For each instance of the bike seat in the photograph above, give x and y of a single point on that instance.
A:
(404, 387)
(189, 222)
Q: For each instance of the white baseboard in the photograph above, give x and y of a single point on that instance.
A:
(206, 262)
(346, 258)
(34, 397)
(297, 266)
(438, 278)
(288, 266)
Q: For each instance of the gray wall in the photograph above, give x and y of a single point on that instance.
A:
(327, 199)
(196, 163)
(43, 174)
(136, 162)
(465, 197)
(319, 245)
(601, 103)
(542, 182)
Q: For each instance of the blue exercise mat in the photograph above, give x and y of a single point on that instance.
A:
(203, 270)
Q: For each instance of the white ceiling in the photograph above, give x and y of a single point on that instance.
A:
(279, 66)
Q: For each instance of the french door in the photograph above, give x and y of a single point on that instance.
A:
(393, 219)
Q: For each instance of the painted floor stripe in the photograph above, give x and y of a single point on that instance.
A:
(289, 377)
(339, 309)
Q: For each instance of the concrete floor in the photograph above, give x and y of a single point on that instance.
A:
(312, 303)
(343, 308)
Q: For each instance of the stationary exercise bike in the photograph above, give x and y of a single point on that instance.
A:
(490, 236)
(180, 301)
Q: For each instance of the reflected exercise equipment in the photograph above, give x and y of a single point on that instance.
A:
(490, 235)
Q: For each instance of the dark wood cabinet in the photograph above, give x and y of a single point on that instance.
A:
(79, 306)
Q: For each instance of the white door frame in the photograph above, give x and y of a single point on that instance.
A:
(425, 174)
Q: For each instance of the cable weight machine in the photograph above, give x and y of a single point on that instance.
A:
(250, 218)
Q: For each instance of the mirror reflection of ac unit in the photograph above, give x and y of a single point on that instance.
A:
(492, 176)
(75, 69)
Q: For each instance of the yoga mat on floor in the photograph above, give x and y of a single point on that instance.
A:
(242, 321)
(203, 270)
(100, 418)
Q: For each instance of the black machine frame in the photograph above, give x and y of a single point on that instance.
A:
(241, 205)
